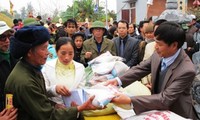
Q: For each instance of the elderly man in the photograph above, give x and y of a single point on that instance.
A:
(96, 45)
(29, 92)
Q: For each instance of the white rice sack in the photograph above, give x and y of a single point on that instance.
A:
(105, 57)
(124, 113)
(157, 115)
(103, 68)
(136, 89)
(119, 68)
(103, 94)
(99, 79)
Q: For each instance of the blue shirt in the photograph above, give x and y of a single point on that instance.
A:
(169, 60)
(99, 45)
(52, 52)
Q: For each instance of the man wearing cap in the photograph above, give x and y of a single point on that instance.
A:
(96, 45)
(26, 81)
(7, 62)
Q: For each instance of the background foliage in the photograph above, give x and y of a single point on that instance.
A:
(80, 10)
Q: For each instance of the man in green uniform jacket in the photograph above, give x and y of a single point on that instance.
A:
(96, 45)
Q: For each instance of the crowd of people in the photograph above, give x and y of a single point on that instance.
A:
(41, 62)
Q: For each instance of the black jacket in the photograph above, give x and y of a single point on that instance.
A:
(5, 69)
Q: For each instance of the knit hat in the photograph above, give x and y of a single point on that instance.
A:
(3, 27)
(27, 38)
(149, 28)
(97, 24)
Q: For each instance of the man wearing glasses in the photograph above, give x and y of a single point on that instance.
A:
(7, 62)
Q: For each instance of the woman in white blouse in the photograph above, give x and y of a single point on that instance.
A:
(62, 74)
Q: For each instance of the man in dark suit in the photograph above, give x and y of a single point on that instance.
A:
(171, 81)
(127, 47)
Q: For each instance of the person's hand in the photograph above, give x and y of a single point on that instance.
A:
(149, 86)
(74, 104)
(62, 90)
(88, 55)
(87, 105)
(9, 114)
(60, 106)
(189, 48)
(121, 98)
(111, 82)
